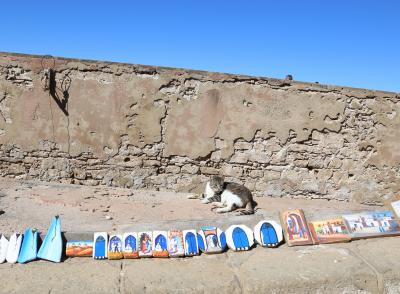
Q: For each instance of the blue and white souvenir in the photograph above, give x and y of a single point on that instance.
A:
(239, 237)
(191, 246)
(51, 248)
(211, 240)
(268, 233)
(29, 247)
(3, 248)
(14, 247)
(160, 244)
(130, 245)
(100, 245)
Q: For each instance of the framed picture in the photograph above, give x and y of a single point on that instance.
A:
(396, 207)
(372, 224)
(329, 231)
(295, 227)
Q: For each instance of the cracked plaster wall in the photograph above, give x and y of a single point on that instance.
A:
(160, 128)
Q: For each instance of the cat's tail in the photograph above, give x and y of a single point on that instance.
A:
(249, 209)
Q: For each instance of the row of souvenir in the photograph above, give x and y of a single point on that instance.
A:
(177, 243)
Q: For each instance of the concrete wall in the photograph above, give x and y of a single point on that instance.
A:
(160, 128)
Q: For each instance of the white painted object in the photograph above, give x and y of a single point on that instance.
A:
(13, 248)
(211, 240)
(100, 245)
(130, 245)
(3, 248)
(176, 247)
(268, 233)
(239, 237)
(191, 243)
(160, 244)
(145, 243)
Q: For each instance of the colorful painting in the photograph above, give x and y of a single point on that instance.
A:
(396, 207)
(191, 246)
(329, 231)
(211, 240)
(160, 247)
(79, 248)
(239, 237)
(175, 243)
(115, 247)
(268, 233)
(372, 224)
(130, 245)
(296, 229)
(145, 244)
(100, 245)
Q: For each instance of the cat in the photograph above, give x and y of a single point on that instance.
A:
(227, 196)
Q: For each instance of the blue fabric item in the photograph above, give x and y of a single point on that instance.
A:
(29, 246)
(51, 248)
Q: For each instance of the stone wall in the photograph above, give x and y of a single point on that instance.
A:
(101, 123)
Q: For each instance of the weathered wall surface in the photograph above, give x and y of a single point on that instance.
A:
(150, 127)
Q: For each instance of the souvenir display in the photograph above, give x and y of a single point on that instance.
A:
(100, 245)
(145, 244)
(211, 240)
(239, 237)
(268, 233)
(115, 247)
(295, 227)
(130, 245)
(191, 246)
(79, 248)
(29, 247)
(51, 248)
(160, 244)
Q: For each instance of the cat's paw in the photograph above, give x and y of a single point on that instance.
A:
(205, 201)
(193, 196)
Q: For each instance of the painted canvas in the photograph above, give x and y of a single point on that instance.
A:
(115, 247)
(296, 229)
(239, 237)
(329, 231)
(130, 245)
(268, 233)
(372, 224)
(396, 207)
(100, 240)
(145, 244)
(191, 246)
(175, 243)
(211, 240)
(79, 248)
(160, 244)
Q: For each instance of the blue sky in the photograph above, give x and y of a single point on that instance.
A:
(342, 42)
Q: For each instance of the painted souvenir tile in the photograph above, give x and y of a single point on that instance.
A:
(296, 229)
(268, 233)
(239, 237)
(211, 240)
(145, 244)
(329, 231)
(3, 248)
(372, 224)
(176, 245)
(14, 247)
(115, 247)
(396, 207)
(191, 246)
(100, 245)
(79, 248)
(130, 245)
(160, 244)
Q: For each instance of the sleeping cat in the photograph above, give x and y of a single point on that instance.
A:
(226, 196)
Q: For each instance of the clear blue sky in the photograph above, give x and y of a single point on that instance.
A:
(342, 42)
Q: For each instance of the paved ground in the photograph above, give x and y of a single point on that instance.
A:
(364, 266)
